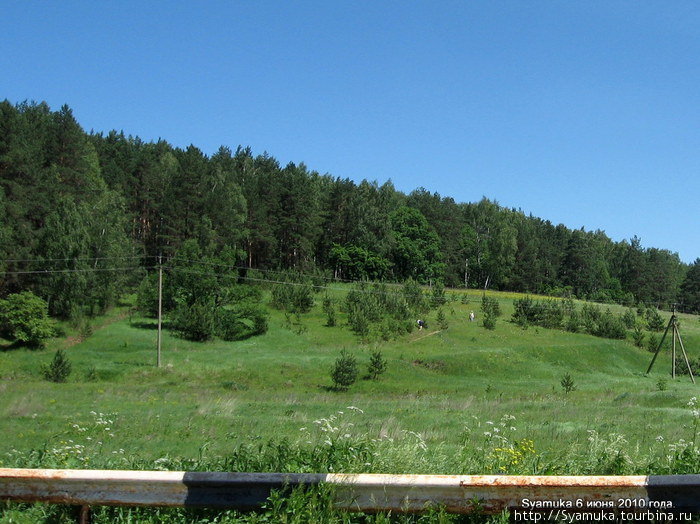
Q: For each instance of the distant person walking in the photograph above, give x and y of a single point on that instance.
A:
(471, 317)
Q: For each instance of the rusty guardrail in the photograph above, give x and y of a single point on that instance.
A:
(355, 492)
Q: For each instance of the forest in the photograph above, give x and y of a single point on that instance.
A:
(84, 216)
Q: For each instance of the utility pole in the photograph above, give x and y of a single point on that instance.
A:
(675, 334)
(160, 305)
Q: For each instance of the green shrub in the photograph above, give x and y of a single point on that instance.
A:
(567, 383)
(551, 315)
(59, 369)
(437, 297)
(344, 371)
(638, 336)
(610, 326)
(442, 320)
(24, 317)
(413, 295)
(654, 320)
(652, 342)
(377, 365)
(590, 315)
(194, 322)
(573, 322)
(329, 310)
(241, 320)
(523, 311)
(358, 321)
(629, 318)
(490, 305)
(293, 296)
(147, 296)
(489, 321)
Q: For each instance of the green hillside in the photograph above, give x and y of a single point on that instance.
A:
(449, 387)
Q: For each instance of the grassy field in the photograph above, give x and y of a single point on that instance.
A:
(461, 400)
(442, 385)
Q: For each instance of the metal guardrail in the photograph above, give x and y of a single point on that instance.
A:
(355, 492)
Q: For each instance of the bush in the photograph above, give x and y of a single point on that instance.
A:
(194, 322)
(523, 314)
(329, 310)
(590, 315)
(24, 317)
(654, 320)
(344, 371)
(629, 318)
(573, 322)
(567, 383)
(147, 296)
(610, 326)
(437, 297)
(489, 321)
(59, 369)
(413, 295)
(295, 297)
(240, 321)
(652, 342)
(638, 336)
(442, 320)
(551, 314)
(490, 305)
(358, 321)
(377, 365)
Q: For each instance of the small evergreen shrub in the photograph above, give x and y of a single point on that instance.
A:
(437, 297)
(489, 321)
(413, 295)
(240, 321)
(629, 318)
(344, 372)
(610, 326)
(329, 310)
(194, 322)
(638, 336)
(567, 383)
(59, 369)
(293, 296)
(377, 365)
(573, 322)
(654, 320)
(358, 321)
(652, 342)
(590, 315)
(442, 320)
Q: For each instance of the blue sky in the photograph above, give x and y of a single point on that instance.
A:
(583, 113)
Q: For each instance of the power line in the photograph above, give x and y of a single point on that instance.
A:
(279, 271)
(282, 282)
(87, 270)
(131, 257)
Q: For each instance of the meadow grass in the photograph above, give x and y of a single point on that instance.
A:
(462, 400)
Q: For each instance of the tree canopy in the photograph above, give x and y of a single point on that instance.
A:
(94, 204)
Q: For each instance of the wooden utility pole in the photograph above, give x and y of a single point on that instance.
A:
(675, 333)
(160, 305)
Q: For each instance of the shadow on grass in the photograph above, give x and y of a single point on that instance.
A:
(333, 389)
(10, 346)
(147, 324)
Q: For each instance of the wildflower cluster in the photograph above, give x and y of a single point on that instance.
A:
(77, 447)
(335, 427)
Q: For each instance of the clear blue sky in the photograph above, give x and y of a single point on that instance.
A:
(584, 113)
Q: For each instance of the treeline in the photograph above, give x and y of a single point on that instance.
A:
(96, 199)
